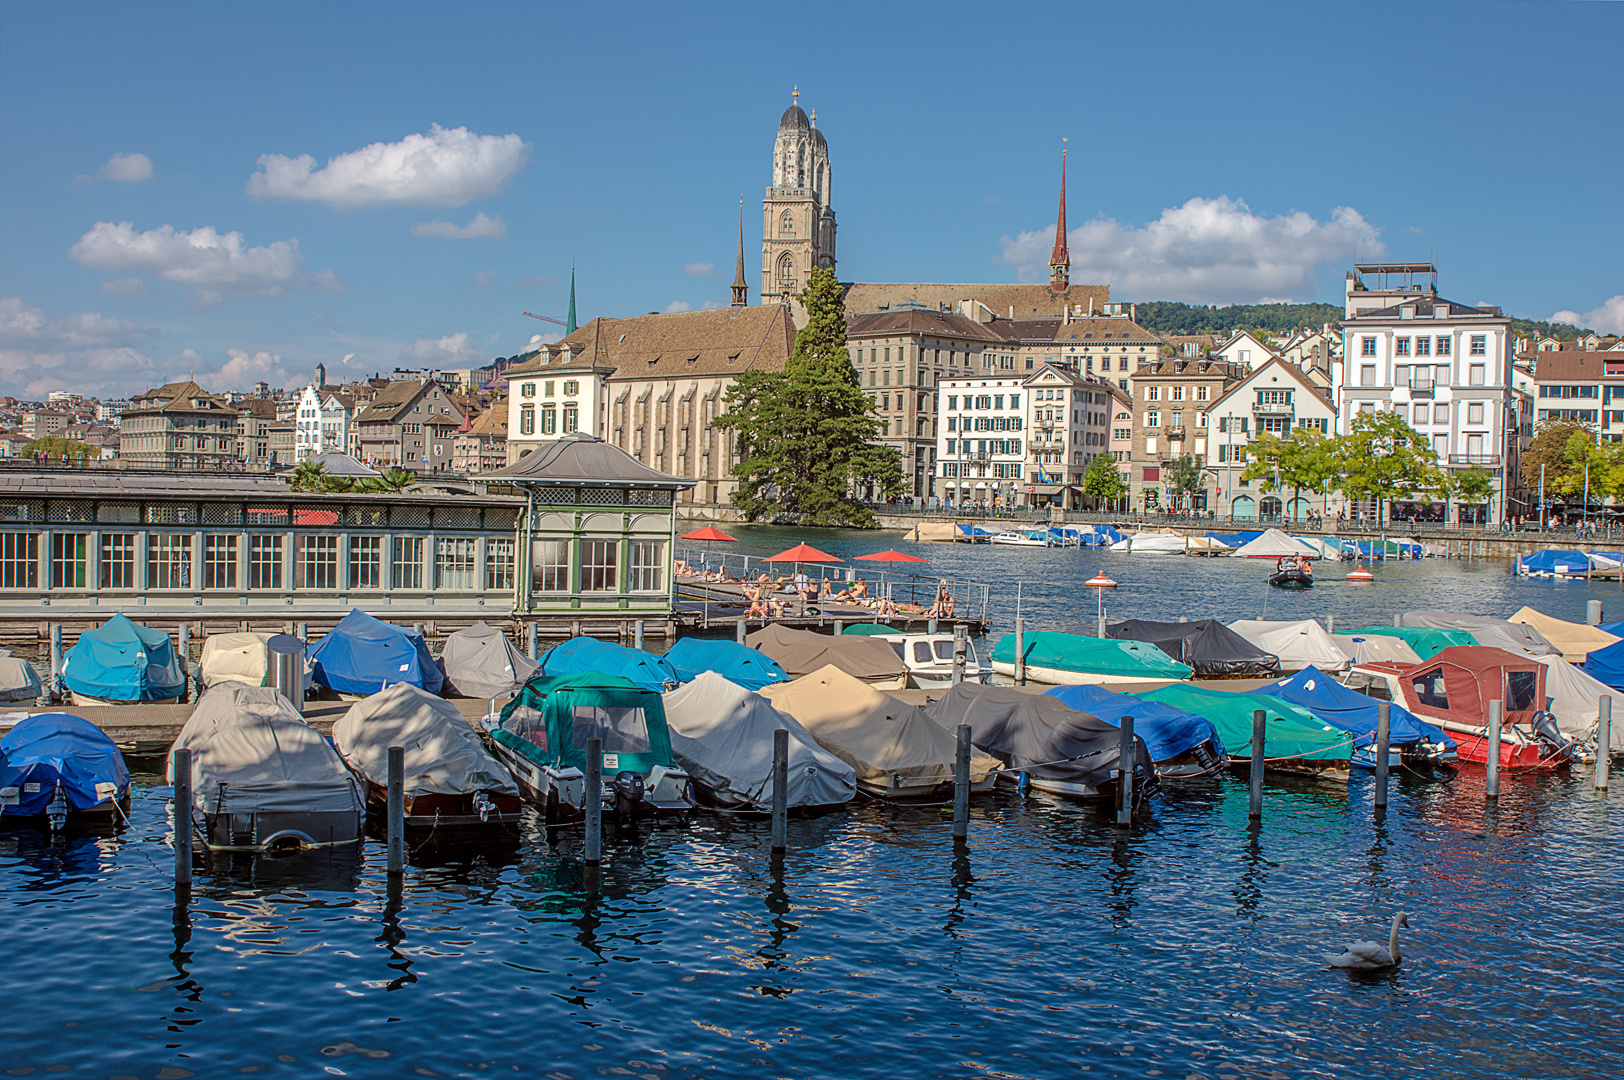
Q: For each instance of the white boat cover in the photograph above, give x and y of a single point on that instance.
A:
(238, 658)
(1575, 640)
(1576, 701)
(479, 661)
(722, 734)
(1151, 544)
(1364, 648)
(18, 679)
(253, 753)
(443, 755)
(873, 732)
(1274, 544)
(1519, 638)
(1297, 644)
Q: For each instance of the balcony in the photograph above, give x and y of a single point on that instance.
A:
(1491, 461)
(1421, 387)
(1274, 410)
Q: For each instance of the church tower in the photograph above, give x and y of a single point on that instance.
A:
(798, 223)
(1060, 257)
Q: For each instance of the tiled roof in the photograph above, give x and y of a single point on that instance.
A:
(1105, 331)
(1572, 365)
(912, 320)
(1025, 301)
(178, 397)
(723, 341)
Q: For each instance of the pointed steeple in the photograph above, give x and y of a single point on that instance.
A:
(741, 291)
(569, 325)
(1060, 257)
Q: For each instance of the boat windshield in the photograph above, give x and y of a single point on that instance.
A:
(624, 730)
(921, 651)
(528, 725)
(1520, 691)
(944, 651)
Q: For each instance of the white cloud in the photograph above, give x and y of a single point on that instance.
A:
(712, 305)
(240, 370)
(87, 352)
(453, 351)
(442, 168)
(679, 305)
(485, 279)
(210, 261)
(699, 269)
(480, 228)
(1210, 251)
(133, 168)
(129, 287)
(1607, 319)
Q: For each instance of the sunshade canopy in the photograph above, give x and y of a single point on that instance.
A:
(583, 654)
(1207, 645)
(362, 655)
(48, 749)
(801, 553)
(750, 668)
(1074, 652)
(889, 556)
(1425, 642)
(123, 661)
(722, 736)
(252, 752)
(1168, 732)
(1038, 734)
(1574, 640)
(1494, 633)
(1297, 644)
(480, 661)
(1290, 731)
(709, 533)
(1350, 710)
(554, 715)
(873, 732)
(1459, 682)
(443, 755)
(801, 652)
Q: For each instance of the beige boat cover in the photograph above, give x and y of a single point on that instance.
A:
(443, 755)
(1518, 638)
(253, 753)
(18, 679)
(1364, 648)
(873, 732)
(938, 531)
(1574, 639)
(801, 652)
(238, 658)
(1297, 644)
(722, 734)
(479, 661)
(1576, 701)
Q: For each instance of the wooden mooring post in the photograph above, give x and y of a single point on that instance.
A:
(959, 647)
(1127, 758)
(1604, 742)
(183, 817)
(961, 786)
(592, 801)
(780, 790)
(53, 692)
(1384, 727)
(1491, 786)
(1254, 806)
(395, 822)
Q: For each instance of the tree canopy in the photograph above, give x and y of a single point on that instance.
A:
(1305, 460)
(806, 435)
(1172, 317)
(1101, 480)
(59, 448)
(1384, 458)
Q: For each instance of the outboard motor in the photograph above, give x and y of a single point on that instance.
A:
(628, 793)
(483, 805)
(1560, 747)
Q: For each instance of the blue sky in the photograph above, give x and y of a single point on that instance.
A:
(1219, 153)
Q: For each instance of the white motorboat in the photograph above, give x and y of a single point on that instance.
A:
(930, 659)
(1015, 539)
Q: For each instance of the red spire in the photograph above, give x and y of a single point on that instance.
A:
(1060, 257)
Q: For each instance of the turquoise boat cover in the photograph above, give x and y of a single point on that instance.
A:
(123, 661)
(1426, 642)
(738, 664)
(550, 720)
(1290, 731)
(1095, 656)
(584, 654)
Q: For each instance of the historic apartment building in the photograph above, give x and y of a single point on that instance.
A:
(1581, 386)
(1068, 426)
(981, 454)
(1171, 397)
(411, 424)
(1275, 399)
(178, 426)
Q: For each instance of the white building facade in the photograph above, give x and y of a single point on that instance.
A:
(321, 424)
(981, 445)
(1276, 399)
(1068, 426)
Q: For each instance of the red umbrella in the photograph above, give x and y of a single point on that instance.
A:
(892, 556)
(709, 532)
(802, 553)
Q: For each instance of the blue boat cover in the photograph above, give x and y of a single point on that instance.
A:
(123, 661)
(738, 664)
(1551, 561)
(584, 654)
(362, 655)
(1168, 732)
(1614, 628)
(975, 530)
(52, 748)
(1236, 539)
(1350, 710)
(1606, 665)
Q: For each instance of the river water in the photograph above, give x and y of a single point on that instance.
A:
(1051, 945)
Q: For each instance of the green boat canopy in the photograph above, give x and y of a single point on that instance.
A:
(550, 720)
(869, 629)
(1290, 731)
(1100, 656)
(1426, 641)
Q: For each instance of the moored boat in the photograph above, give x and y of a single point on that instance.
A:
(1061, 659)
(929, 657)
(479, 661)
(802, 652)
(1296, 742)
(123, 663)
(1211, 649)
(58, 769)
(363, 654)
(1411, 740)
(1182, 745)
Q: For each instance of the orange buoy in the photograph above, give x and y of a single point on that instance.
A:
(1361, 577)
(1099, 581)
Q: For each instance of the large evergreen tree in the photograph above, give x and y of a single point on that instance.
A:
(806, 435)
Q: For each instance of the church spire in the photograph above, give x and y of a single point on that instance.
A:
(741, 291)
(569, 325)
(1060, 257)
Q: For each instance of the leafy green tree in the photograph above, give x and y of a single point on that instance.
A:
(308, 476)
(392, 482)
(805, 435)
(1559, 446)
(1186, 477)
(1304, 460)
(1102, 481)
(1473, 485)
(1171, 317)
(1384, 458)
(61, 448)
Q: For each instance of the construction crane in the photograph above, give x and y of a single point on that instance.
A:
(547, 318)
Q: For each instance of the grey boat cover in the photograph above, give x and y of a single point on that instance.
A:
(1513, 637)
(1297, 644)
(873, 732)
(1367, 647)
(1576, 701)
(18, 679)
(801, 652)
(253, 753)
(1207, 645)
(443, 755)
(481, 662)
(1038, 733)
(722, 734)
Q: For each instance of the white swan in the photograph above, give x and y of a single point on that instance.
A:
(1368, 955)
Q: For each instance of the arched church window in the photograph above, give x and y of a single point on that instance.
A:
(786, 269)
(786, 224)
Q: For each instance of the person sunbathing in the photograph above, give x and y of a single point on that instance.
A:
(825, 592)
(859, 590)
(682, 568)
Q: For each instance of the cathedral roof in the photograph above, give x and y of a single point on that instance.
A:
(794, 119)
(668, 345)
